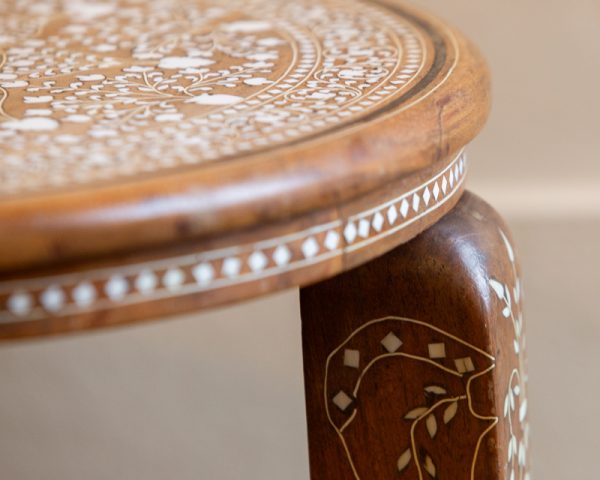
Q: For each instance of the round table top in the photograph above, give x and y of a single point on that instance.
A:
(158, 157)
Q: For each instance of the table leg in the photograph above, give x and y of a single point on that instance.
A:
(414, 363)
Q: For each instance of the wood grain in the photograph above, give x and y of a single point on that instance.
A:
(427, 122)
(414, 363)
(143, 176)
(137, 287)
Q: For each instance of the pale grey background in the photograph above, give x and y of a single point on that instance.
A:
(219, 396)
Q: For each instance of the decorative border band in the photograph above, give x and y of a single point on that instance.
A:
(99, 289)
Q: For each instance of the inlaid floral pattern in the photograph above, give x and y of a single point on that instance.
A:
(446, 366)
(515, 402)
(443, 369)
(98, 90)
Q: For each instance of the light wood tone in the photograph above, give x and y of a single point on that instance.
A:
(429, 120)
(164, 157)
(414, 363)
(158, 300)
(91, 246)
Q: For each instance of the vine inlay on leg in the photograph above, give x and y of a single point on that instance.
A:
(420, 359)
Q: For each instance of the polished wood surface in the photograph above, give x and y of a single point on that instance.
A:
(414, 363)
(136, 287)
(162, 157)
(196, 122)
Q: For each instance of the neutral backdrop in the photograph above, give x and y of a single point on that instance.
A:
(219, 396)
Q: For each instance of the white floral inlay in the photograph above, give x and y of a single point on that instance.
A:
(139, 86)
(441, 402)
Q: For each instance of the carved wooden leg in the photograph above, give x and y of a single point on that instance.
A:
(414, 363)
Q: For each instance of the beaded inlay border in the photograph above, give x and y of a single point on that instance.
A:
(106, 288)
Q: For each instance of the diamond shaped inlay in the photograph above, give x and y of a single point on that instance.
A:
(146, 282)
(404, 206)
(84, 294)
(282, 255)
(257, 261)
(203, 273)
(350, 232)
(342, 400)
(378, 221)
(231, 267)
(436, 191)
(426, 196)
(392, 215)
(332, 240)
(116, 287)
(173, 278)
(94, 289)
(310, 247)
(391, 342)
(416, 200)
(363, 228)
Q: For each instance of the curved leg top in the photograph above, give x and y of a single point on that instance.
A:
(414, 363)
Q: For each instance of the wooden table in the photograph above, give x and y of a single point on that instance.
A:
(171, 156)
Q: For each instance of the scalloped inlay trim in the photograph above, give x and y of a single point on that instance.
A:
(135, 283)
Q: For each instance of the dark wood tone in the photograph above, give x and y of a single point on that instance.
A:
(456, 383)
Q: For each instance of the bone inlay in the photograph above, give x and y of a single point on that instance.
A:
(448, 357)
(164, 84)
(136, 283)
